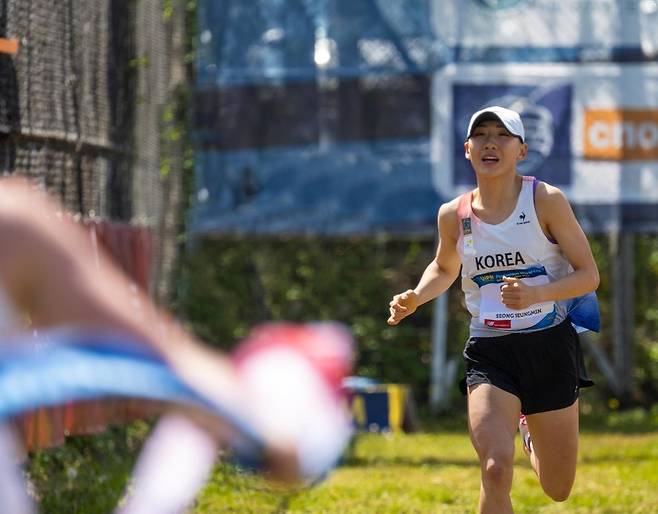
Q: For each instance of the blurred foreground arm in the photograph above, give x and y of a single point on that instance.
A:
(286, 387)
(52, 274)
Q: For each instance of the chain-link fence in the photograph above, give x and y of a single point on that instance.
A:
(66, 101)
(83, 109)
(82, 106)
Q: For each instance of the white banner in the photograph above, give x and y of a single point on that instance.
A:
(584, 76)
(547, 23)
(592, 130)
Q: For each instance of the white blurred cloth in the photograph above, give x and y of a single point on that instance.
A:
(173, 466)
(13, 492)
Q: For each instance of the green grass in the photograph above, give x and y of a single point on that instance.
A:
(438, 473)
(434, 472)
(88, 474)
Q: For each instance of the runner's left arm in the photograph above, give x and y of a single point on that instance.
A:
(559, 223)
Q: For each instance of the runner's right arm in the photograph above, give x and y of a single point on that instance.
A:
(439, 274)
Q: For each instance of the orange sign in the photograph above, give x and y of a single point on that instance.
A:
(621, 135)
(8, 46)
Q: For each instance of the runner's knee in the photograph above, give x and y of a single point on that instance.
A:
(497, 470)
(557, 490)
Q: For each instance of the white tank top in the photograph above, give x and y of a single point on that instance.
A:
(516, 247)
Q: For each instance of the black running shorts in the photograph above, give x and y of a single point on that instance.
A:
(544, 369)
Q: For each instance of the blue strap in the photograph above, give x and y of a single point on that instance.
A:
(63, 366)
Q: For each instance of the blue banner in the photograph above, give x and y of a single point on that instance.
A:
(351, 189)
(314, 117)
(341, 117)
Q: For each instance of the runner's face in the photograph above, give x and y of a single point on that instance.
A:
(493, 150)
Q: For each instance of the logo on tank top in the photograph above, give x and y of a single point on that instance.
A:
(522, 219)
(499, 260)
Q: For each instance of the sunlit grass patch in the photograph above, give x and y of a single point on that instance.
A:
(438, 473)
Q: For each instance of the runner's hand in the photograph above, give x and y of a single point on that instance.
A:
(402, 305)
(516, 295)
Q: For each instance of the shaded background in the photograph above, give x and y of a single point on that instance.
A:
(261, 160)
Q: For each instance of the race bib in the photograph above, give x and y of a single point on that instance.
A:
(494, 314)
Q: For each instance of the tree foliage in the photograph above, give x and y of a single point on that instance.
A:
(230, 284)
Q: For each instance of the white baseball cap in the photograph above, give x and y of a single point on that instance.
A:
(507, 117)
